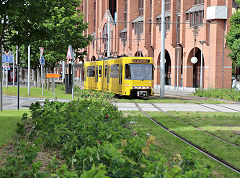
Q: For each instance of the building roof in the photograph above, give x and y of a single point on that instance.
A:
(138, 19)
(195, 8)
(167, 14)
(123, 30)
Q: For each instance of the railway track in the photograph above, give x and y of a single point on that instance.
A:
(201, 130)
(205, 152)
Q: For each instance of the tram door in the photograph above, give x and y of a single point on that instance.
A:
(108, 77)
(96, 77)
(120, 79)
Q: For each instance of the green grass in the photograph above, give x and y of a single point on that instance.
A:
(219, 124)
(170, 146)
(36, 93)
(8, 123)
(169, 100)
(223, 150)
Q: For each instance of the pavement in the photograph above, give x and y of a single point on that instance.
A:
(178, 107)
(10, 103)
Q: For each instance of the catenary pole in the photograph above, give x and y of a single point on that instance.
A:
(42, 77)
(63, 71)
(13, 71)
(178, 66)
(109, 40)
(73, 59)
(17, 61)
(7, 77)
(162, 69)
(29, 70)
(201, 70)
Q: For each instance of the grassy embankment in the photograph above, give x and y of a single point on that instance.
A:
(8, 123)
(170, 145)
(36, 92)
(60, 94)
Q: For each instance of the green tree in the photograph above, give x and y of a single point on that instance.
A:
(233, 38)
(51, 24)
(63, 25)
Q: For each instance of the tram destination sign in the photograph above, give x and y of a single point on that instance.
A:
(141, 60)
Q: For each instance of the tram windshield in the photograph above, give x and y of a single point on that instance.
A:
(139, 71)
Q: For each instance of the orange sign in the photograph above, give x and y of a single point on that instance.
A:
(51, 75)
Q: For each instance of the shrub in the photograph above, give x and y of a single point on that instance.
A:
(227, 94)
(88, 138)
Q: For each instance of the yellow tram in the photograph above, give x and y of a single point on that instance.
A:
(130, 76)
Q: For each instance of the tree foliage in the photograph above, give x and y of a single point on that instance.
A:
(51, 24)
(233, 37)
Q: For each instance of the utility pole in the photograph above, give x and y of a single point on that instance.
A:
(162, 69)
(29, 70)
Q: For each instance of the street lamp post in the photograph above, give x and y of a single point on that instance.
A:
(201, 72)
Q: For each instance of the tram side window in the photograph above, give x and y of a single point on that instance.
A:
(100, 71)
(127, 71)
(91, 71)
(105, 70)
(114, 71)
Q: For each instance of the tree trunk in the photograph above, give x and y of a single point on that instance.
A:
(35, 77)
(47, 80)
(38, 78)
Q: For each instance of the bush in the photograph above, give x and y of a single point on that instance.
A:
(82, 93)
(88, 138)
(227, 94)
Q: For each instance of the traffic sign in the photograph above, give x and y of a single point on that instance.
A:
(41, 51)
(6, 67)
(70, 52)
(52, 75)
(7, 58)
(42, 60)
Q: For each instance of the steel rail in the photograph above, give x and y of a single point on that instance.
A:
(208, 154)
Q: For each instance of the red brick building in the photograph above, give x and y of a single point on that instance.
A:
(135, 30)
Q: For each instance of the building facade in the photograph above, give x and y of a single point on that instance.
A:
(194, 29)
